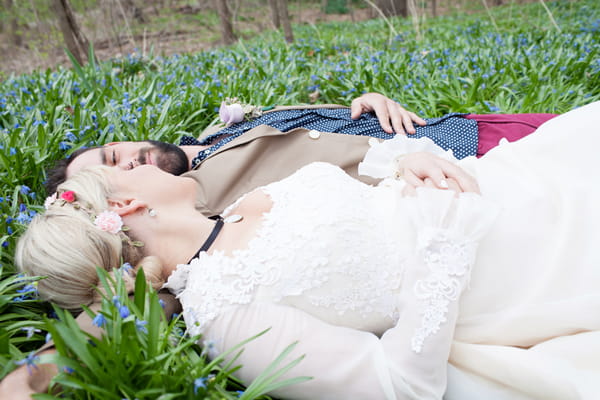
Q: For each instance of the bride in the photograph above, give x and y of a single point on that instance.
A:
(392, 292)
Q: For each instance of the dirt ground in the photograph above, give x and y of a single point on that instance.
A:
(179, 29)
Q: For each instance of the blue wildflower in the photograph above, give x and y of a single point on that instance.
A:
(64, 146)
(29, 288)
(162, 303)
(25, 190)
(68, 370)
(199, 383)
(99, 320)
(29, 361)
(48, 337)
(30, 330)
(140, 325)
(23, 218)
(124, 311)
(116, 301)
(126, 268)
(12, 151)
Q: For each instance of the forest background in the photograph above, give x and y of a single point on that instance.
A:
(31, 31)
(162, 71)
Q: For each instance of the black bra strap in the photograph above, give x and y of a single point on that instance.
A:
(211, 238)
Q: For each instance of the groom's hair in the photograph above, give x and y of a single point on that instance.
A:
(58, 173)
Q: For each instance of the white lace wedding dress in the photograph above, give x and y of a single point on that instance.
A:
(380, 291)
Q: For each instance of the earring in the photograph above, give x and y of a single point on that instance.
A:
(152, 212)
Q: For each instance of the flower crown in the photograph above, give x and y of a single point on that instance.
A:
(107, 221)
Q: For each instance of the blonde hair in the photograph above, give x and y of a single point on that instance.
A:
(63, 245)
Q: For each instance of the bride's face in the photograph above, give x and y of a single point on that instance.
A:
(152, 185)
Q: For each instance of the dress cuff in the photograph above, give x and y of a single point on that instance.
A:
(382, 158)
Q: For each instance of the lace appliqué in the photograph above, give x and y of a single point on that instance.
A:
(449, 263)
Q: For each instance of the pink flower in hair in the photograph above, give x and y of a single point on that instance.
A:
(109, 221)
(68, 196)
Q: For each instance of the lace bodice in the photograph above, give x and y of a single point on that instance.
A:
(296, 258)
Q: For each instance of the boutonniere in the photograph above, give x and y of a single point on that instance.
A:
(232, 111)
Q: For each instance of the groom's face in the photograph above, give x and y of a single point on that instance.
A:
(128, 155)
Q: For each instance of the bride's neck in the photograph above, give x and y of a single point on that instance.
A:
(174, 237)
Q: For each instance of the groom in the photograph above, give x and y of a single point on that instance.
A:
(234, 160)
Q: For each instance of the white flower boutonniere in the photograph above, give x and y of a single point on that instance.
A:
(232, 111)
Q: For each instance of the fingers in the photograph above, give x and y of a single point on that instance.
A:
(415, 118)
(423, 169)
(356, 108)
(412, 179)
(453, 185)
(383, 115)
(418, 177)
(430, 184)
(399, 118)
(465, 181)
(392, 117)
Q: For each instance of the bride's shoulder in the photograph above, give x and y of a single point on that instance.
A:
(256, 203)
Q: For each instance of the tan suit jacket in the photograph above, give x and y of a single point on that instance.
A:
(264, 155)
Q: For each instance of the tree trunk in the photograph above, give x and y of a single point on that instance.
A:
(226, 27)
(285, 21)
(75, 40)
(275, 13)
(434, 8)
(134, 11)
(393, 7)
(14, 29)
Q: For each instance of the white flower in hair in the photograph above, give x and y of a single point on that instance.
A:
(49, 200)
(109, 221)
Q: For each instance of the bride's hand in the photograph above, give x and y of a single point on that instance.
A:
(427, 170)
(22, 383)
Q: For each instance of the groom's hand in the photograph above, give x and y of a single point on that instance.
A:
(391, 115)
(427, 170)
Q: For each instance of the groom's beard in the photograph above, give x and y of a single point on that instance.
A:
(168, 157)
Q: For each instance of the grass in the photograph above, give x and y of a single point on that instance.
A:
(511, 60)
